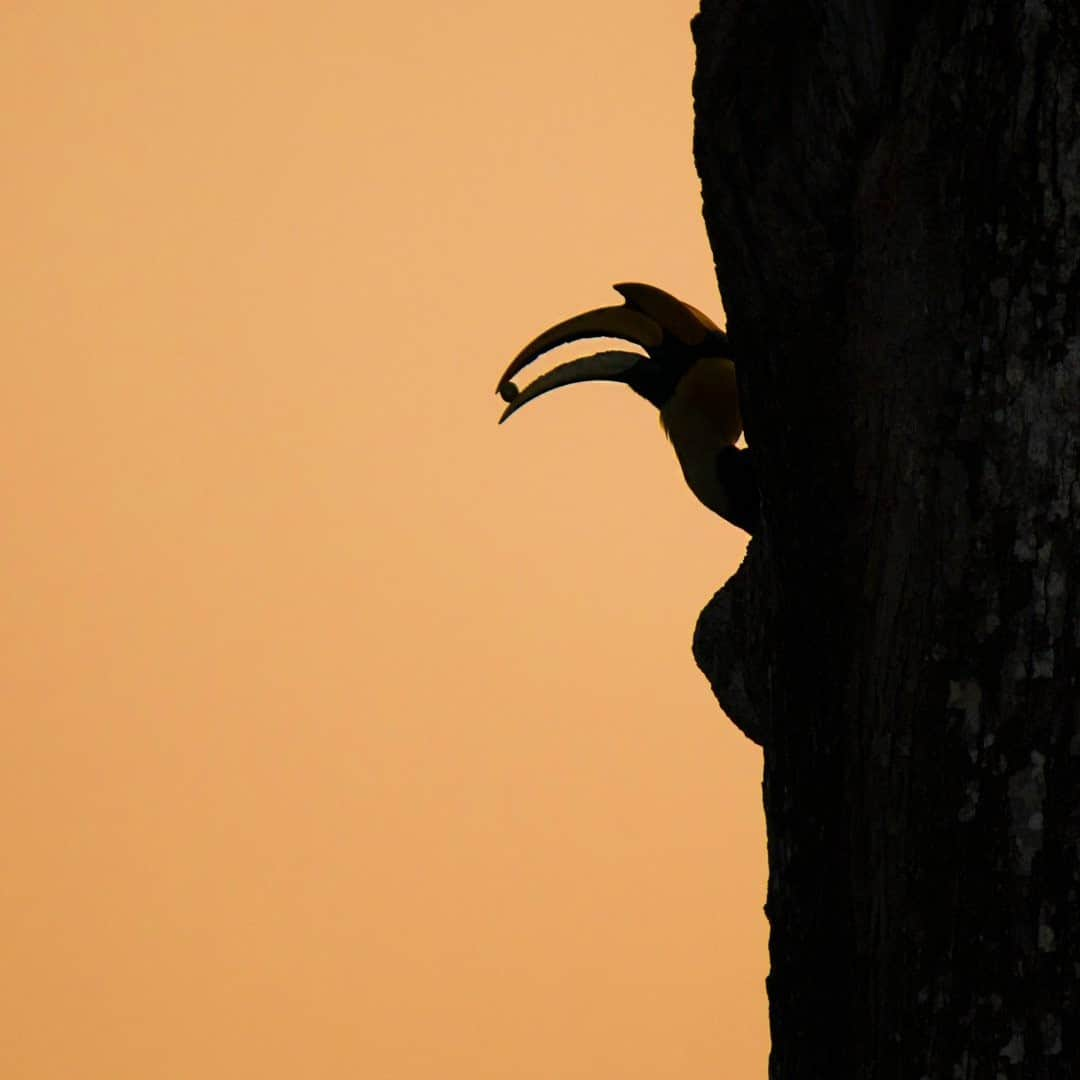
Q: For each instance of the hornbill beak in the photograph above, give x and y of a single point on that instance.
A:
(621, 322)
(650, 318)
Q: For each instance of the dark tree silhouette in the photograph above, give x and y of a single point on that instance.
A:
(892, 193)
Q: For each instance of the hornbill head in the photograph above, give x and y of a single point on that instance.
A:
(686, 371)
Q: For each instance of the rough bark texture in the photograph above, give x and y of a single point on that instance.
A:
(892, 193)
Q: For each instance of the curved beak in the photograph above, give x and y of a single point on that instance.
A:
(601, 367)
(614, 322)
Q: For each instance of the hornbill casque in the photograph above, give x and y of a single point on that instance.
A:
(686, 371)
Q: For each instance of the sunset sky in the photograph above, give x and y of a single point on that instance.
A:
(346, 733)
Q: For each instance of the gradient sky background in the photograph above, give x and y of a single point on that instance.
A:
(347, 734)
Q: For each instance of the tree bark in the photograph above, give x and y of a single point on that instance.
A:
(892, 194)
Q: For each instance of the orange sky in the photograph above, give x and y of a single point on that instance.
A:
(346, 733)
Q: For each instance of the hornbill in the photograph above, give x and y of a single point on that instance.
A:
(686, 372)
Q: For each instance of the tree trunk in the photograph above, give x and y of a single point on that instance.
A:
(892, 193)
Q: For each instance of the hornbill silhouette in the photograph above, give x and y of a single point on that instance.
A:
(686, 371)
